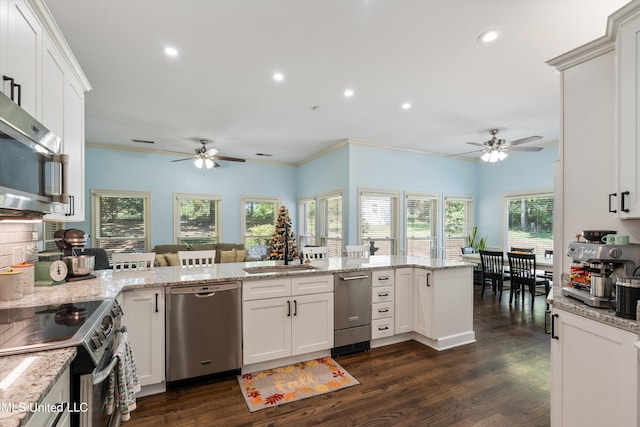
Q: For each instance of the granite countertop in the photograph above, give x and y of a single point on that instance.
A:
(603, 315)
(107, 284)
(18, 401)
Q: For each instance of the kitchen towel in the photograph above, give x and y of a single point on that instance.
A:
(123, 380)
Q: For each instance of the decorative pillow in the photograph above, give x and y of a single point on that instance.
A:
(173, 260)
(228, 256)
(161, 260)
(240, 255)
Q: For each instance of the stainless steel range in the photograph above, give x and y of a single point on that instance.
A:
(595, 269)
(94, 327)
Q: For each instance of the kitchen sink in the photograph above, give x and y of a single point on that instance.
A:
(279, 268)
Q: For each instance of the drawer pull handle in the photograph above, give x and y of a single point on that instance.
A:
(383, 310)
(384, 294)
(383, 328)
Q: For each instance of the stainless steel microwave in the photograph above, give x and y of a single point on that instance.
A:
(32, 167)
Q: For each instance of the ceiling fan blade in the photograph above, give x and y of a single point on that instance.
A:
(524, 149)
(475, 143)
(229, 159)
(523, 140)
(182, 160)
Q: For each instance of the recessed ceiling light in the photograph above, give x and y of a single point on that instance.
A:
(348, 93)
(488, 36)
(278, 77)
(406, 106)
(171, 51)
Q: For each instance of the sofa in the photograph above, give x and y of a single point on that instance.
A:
(167, 255)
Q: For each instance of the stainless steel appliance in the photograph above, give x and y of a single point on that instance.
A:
(627, 296)
(204, 331)
(595, 269)
(352, 312)
(94, 327)
(32, 168)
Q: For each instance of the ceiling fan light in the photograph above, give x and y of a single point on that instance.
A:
(494, 157)
(199, 162)
(208, 163)
(485, 156)
(502, 155)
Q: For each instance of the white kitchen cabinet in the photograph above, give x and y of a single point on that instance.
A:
(594, 373)
(443, 307)
(286, 317)
(144, 318)
(20, 50)
(60, 393)
(382, 300)
(403, 316)
(627, 56)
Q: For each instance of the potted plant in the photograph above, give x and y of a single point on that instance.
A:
(477, 245)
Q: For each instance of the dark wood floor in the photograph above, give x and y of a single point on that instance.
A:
(501, 380)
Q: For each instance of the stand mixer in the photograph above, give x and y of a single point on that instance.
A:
(72, 242)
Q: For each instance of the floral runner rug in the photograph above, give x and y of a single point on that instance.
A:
(274, 387)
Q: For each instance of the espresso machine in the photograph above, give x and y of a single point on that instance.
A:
(595, 269)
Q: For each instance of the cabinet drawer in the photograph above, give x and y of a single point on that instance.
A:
(382, 310)
(382, 294)
(382, 278)
(261, 289)
(307, 285)
(381, 328)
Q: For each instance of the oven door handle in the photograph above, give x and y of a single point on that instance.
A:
(100, 376)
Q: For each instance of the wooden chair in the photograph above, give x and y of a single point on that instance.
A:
(133, 261)
(312, 253)
(358, 251)
(523, 275)
(492, 271)
(197, 258)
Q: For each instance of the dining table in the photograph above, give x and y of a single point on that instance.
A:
(542, 262)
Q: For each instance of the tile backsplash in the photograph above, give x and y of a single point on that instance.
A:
(18, 242)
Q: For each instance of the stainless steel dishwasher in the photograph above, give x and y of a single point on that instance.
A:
(204, 332)
(352, 312)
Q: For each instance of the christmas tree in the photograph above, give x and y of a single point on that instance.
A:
(278, 239)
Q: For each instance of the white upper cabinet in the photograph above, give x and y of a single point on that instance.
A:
(20, 50)
(46, 77)
(628, 54)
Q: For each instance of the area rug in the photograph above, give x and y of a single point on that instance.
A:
(266, 389)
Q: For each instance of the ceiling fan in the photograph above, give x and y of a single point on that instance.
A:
(206, 157)
(495, 149)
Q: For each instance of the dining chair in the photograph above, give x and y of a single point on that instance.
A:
(523, 275)
(133, 261)
(197, 258)
(492, 263)
(315, 253)
(357, 251)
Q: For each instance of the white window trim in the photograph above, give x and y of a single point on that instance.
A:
(196, 196)
(146, 195)
(320, 213)
(395, 219)
(302, 220)
(513, 196)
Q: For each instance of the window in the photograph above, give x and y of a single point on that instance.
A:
(258, 224)
(379, 221)
(421, 226)
(307, 221)
(330, 220)
(529, 221)
(48, 230)
(457, 224)
(121, 221)
(196, 218)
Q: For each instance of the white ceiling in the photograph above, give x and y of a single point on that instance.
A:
(220, 85)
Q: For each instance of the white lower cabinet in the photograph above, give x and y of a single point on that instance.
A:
(382, 300)
(443, 307)
(59, 393)
(298, 323)
(403, 316)
(144, 319)
(594, 373)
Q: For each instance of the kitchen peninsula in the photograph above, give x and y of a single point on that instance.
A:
(422, 290)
